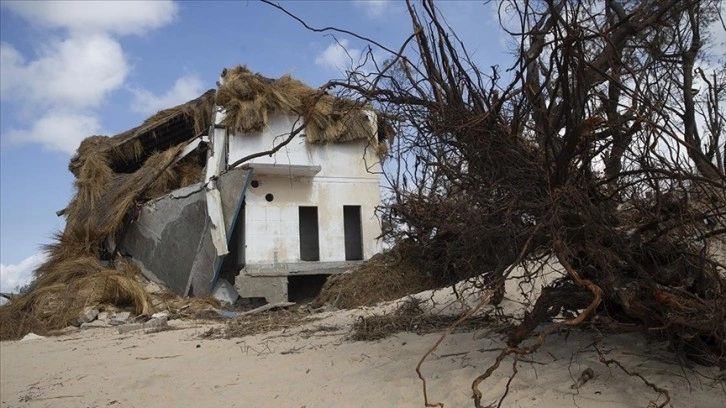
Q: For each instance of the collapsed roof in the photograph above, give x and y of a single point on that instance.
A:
(115, 175)
(248, 100)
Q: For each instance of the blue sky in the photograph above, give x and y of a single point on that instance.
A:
(73, 69)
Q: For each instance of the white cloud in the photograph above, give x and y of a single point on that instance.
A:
(59, 131)
(76, 72)
(13, 276)
(372, 8)
(184, 89)
(11, 62)
(116, 17)
(339, 56)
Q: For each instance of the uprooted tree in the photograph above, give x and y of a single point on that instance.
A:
(602, 144)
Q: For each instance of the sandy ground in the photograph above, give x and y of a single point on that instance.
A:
(307, 367)
(316, 366)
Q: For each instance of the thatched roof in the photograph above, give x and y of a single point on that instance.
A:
(161, 131)
(250, 98)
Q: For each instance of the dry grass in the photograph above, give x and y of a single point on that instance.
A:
(57, 298)
(186, 308)
(184, 173)
(387, 276)
(410, 317)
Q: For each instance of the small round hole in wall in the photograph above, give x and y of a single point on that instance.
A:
(255, 183)
(269, 197)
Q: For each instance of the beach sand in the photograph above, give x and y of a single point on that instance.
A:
(316, 365)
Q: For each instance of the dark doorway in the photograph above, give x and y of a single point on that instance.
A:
(304, 288)
(309, 241)
(239, 236)
(353, 234)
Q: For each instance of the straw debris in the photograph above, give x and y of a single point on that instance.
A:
(250, 325)
(410, 316)
(129, 148)
(57, 298)
(81, 270)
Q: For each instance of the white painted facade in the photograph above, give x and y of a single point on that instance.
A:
(327, 176)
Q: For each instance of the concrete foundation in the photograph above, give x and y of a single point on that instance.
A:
(270, 280)
(272, 288)
(299, 268)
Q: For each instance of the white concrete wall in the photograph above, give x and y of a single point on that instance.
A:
(272, 228)
(350, 159)
(348, 176)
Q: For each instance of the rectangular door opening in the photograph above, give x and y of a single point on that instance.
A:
(353, 233)
(309, 240)
(239, 236)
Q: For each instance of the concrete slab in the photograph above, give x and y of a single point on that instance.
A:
(165, 239)
(171, 240)
(299, 268)
(272, 288)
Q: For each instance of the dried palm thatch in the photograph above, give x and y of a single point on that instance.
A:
(250, 325)
(184, 173)
(250, 98)
(131, 146)
(57, 298)
(179, 307)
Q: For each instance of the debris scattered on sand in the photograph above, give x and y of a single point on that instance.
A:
(153, 324)
(410, 316)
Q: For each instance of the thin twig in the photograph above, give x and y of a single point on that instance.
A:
(655, 388)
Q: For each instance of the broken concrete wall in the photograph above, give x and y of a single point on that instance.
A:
(171, 241)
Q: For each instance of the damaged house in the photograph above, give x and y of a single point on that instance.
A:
(261, 184)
